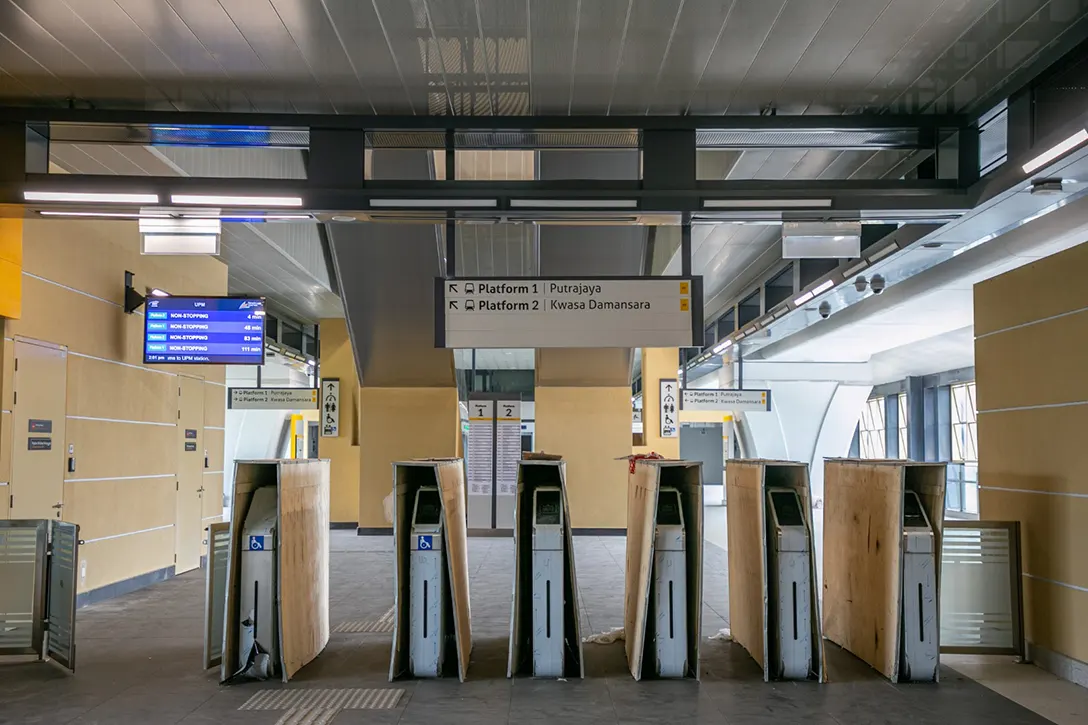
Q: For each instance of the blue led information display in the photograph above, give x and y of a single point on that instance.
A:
(204, 330)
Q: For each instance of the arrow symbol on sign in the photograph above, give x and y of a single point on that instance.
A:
(453, 288)
(668, 388)
(453, 304)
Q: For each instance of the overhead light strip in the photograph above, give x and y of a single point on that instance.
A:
(573, 203)
(766, 203)
(851, 271)
(104, 214)
(1055, 151)
(216, 200)
(723, 346)
(434, 203)
(91, 197)
(802, 299)
(881, 254)
(823, 287)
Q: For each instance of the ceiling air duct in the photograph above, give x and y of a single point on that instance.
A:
(821, 240)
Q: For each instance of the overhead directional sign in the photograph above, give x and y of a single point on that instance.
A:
(272, 399)
(727, 400)
(539, 312)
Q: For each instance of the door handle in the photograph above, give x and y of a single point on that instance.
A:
(58, 505)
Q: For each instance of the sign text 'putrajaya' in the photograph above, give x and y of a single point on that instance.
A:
(727, 400)
(539, 312)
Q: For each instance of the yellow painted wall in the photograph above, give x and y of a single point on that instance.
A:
(337, 361)
(11, 267)
(590, 428)
(658, 363)
(1033, 411)
(6, 365)
(397, 424)
(73, 291)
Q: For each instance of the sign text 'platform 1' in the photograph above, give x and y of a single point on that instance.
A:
(727, 400)
(539, 312)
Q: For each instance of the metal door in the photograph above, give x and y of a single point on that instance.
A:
(188, 531)
(61, 594)
(22, 571)
(215, 593)
(312, 436)
(37, 477)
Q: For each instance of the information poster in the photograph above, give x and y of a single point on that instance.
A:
(508, 446)
(481, 444)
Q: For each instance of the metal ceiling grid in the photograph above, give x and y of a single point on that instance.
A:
(518, 56)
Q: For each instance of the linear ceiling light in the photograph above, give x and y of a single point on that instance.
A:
(430, 203)
(91, 197)
(802, 299)
(721, 347)
(104, 214)
(881, 254)
(862, 264)
(1055, 151)
(573, 203)
(823, 287)
(216, 200)
(765, 203)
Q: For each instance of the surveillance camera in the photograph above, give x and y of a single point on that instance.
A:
(861, 283)
(825, 309)
(876, 284)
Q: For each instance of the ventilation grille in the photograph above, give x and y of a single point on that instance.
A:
(905, 138)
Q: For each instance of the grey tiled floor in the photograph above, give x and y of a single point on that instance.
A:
(139, 662)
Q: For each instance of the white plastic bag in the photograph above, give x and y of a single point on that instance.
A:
(387, 506)
(613, 635)
(723, 634)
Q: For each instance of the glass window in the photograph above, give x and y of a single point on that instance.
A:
(964, 424)
(902, 425)
(871, 429)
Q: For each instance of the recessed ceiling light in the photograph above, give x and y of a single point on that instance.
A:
(91, 197)
(216, 200)
(342, 218)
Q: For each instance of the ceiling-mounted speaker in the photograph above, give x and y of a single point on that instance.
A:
(821, 240)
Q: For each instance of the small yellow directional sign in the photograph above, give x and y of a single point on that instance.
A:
(685, 288)
(683, 304)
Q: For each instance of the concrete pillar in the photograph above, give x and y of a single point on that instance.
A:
(658, 363)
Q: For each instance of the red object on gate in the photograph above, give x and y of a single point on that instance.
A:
(635, 459)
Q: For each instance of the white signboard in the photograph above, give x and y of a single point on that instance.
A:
(507, 446)
(636, 420)
(330, 407)
(481, 441)
(272, 399)
(538, 312)
(727, 400)
(670, 427)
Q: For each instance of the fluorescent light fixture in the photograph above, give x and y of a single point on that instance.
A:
(429, 203)
(180, 244)
(1055, 151)
(573, 203)
(802, 299)
(723, 346)
(103, 214)
(217, 200)
(750, 331)
(823, 287)
(91, 197)
(156, 292)
(851, 271)
(266, 218)
(766, 203)
(876, 256)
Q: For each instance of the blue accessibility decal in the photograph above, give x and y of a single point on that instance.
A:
(256, 543)
(425, 543)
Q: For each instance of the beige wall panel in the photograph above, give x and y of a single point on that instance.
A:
(338, 361)
(1054, 618)
(109, 508)
(7, 369)
(113, 450)
(118, 559)
(5, 463)
(99, 389)
(399, 424)
(213, 443)
(1039, 449)
(100, 329)
(1035, 365)
(562, 367)
(213, 495)
(1029, 293)
(590, 428)
(1051, 528)
(92, 256)
(215, 405)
